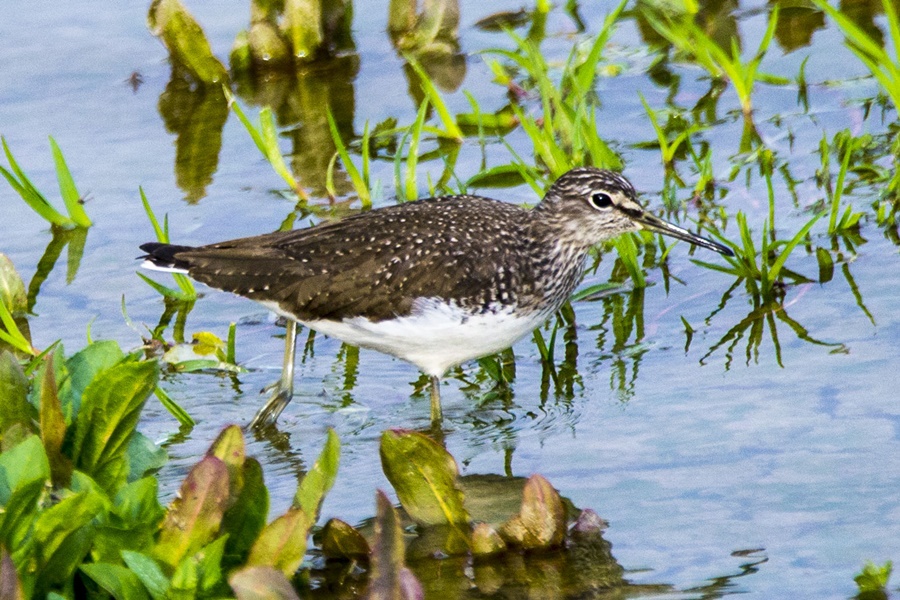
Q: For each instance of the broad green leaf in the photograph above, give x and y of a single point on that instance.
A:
(132, 521)
(261, 583)
(63, 534)
(194, 517)
(282, 543)
(200, 572)
(15, 407)
(53, 428)
(424, 476)
(389, 578)
(110, 408)
(184, 38)
(83, 368)
(246, 518)
(541, 522)
(144, 456)
(341, 540)
(148, 572)
(320, 477)
(120, 582)
(21, 465)
(19, 513)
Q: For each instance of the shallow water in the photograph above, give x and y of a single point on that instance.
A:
(695, 455)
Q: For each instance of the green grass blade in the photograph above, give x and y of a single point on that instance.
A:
(166, 291)
(412, 156)
(776, 266)
(13, 335)
(162, 235)
(30, 194)
(181, 415)
(586, 72)
(451, 128)
(67, 189)
(359, 182)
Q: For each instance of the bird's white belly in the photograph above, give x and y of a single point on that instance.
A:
(435, 336)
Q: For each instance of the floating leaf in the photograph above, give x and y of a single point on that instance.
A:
(196, 513)
(320, 477)
(389, 578)
(206, 343)
(541, 522)
(261, 583)
(424, 476)
(282, 543)
(341, 540)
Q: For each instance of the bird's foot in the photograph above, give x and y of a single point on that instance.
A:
(269, 413)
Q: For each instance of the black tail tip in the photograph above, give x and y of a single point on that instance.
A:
(162, 254)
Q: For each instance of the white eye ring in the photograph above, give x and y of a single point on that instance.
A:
(601, 200)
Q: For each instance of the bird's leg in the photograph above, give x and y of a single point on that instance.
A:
(436, 413)
(284, 387)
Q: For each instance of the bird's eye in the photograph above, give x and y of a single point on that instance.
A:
(601, 200)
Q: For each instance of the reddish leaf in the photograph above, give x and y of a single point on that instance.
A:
(389, 578)
(53, 427)
(194, 516)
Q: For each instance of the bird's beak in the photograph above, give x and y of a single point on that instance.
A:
(653, 223)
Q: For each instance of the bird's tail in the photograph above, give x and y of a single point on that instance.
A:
(164, 257)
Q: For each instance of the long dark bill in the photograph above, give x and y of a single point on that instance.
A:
(654, 223)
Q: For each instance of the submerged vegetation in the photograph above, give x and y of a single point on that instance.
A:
(82, 513)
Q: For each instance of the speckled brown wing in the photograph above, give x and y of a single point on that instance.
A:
(374, 264)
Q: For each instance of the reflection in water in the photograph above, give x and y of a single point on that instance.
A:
(796, 25)
(75, 240)
(623, 317)
(300, 100)
(762, 316)
(584, 567)
(195, 114)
